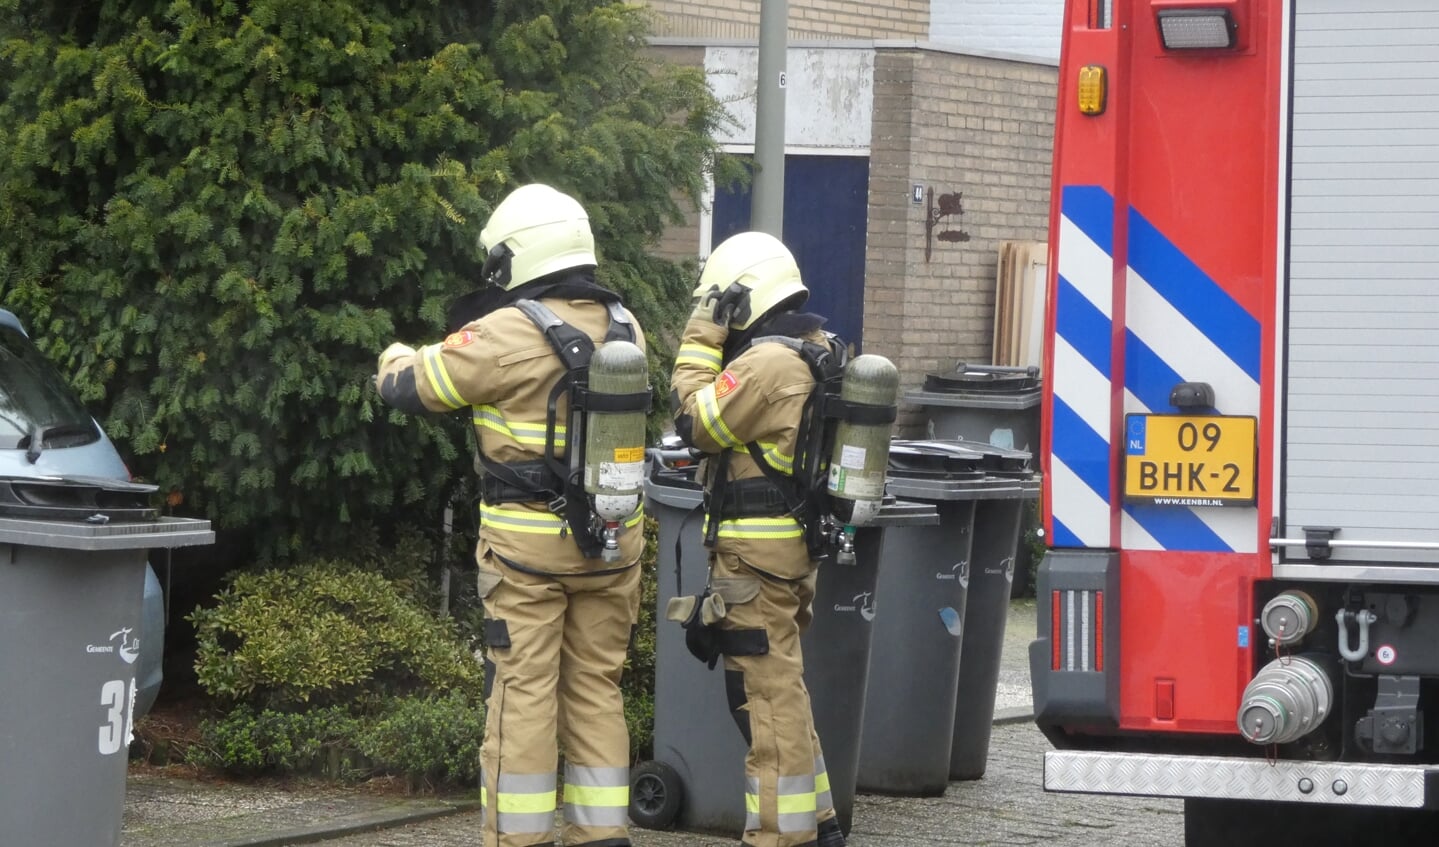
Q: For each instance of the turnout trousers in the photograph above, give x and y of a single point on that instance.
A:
(787, 796)
(555, 649)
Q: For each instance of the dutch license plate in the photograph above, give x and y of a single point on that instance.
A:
(1188, 460)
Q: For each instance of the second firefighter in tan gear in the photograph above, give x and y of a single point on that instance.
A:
(558, 621)
(741, 403)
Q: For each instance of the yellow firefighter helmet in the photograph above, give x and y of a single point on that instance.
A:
(535, 231)
(760, 263)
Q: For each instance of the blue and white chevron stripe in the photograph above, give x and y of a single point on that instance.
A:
(1180, 325)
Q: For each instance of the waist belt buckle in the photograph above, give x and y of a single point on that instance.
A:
(557, 505)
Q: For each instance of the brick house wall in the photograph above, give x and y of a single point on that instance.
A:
(975, 123)
(738, 20)
(680, 242)
(952, 123)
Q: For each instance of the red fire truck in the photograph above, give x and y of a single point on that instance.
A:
(1240, 606)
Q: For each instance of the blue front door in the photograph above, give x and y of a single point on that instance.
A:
(826, 201)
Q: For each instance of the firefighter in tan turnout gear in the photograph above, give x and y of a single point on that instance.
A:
(741, 403)
(559, 601)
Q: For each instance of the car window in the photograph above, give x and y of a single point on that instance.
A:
(35, 401)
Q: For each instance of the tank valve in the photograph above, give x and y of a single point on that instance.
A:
(845, 541)
(611, 537)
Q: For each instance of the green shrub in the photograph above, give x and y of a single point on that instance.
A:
(250, 742)
(430, 741)
(325, 634)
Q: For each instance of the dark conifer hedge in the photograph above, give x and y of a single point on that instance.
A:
(214, 215)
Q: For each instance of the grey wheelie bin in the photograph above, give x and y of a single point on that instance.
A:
(994, 404)
(915, 659)
(696, 779)
(71, 589)
(998, 519)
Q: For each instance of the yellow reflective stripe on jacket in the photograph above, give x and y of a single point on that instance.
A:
(536, 522)
(776, 459)
(710, 418)
(777, 527)
(691, 353)
(530, 434)
(439, 378)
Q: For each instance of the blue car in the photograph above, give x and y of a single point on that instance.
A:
(46, 432)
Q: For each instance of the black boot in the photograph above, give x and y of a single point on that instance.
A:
(830, 835)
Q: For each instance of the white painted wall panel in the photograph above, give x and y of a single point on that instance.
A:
(829, 95)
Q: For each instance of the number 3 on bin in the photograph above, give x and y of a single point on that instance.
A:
(118, 698)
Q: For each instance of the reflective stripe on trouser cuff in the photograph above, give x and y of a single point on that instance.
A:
(823, 799)
(781, 527)
(710, 417)
(525, 803)
(703, 355)
(796, 803)
(597, 796)
(539, 523)
(439, 378)
(530, 434)
(484, 798)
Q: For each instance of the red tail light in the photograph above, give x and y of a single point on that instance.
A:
(1054, 631)
(1099, 630)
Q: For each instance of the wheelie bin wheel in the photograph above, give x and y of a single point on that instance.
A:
(656, 793)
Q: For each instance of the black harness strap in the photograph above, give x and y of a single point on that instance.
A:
(802, 491)
(563, 489)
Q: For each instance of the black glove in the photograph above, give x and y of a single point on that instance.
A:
(732, 306)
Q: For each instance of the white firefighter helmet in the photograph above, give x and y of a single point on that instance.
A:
(534, 232)
(761, 263)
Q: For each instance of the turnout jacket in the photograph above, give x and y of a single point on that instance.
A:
(500, 368)
(757, 397)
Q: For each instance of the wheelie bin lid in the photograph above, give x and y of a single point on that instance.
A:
(953, 469)
(673, 487)
(75, 498)
(980, 387)
(90, 513)
(922, 454)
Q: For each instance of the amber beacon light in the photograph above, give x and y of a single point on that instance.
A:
(1093, 88)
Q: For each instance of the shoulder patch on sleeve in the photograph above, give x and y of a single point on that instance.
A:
(459, 339)
(726, 383)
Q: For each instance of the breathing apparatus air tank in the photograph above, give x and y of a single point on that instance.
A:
(860, 459)
(615, 439)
